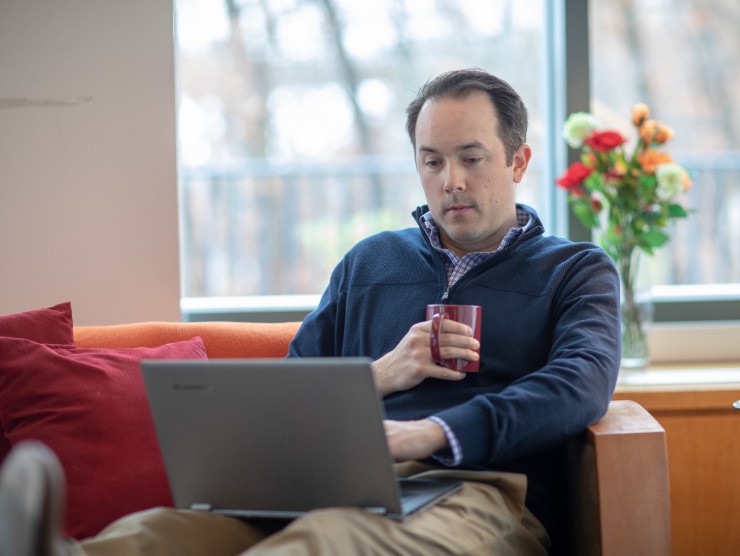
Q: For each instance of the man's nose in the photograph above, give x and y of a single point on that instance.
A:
(455, 179)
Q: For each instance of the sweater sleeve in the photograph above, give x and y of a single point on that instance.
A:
(320, 334)
(572, 390)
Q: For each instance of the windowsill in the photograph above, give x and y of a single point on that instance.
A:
(694, 342)
(253, 308)
(249, 303)
(680, 377)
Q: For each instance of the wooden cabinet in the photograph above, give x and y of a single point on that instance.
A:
(703, 437)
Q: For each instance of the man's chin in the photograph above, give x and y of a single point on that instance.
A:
(461, 229)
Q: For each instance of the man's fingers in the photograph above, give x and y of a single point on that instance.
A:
(450, 326)
(443, 373)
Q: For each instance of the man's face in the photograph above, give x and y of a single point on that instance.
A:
(462, 166)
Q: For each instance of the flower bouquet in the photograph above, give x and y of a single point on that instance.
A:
(628, 197)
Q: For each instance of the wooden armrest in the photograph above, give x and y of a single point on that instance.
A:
(620, 497)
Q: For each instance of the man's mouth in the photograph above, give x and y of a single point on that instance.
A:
(458, 209)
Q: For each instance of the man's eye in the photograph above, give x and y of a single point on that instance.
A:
(474, 160)
(431, 163)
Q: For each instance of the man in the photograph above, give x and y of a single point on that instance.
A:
(549, 351)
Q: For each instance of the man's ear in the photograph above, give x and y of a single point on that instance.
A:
(521, 161)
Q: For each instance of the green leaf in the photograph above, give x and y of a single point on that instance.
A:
(586, 216)
(594, 183)
(654, 238)
(653, 218)
(677, 211)
(646, 185)
(647, 249)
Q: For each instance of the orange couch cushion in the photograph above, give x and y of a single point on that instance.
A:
(221, 339)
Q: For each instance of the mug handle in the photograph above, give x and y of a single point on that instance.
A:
(434, 336)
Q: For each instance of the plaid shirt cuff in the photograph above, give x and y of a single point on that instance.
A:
(452, 456)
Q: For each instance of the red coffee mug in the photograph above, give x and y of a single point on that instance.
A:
(466, 314)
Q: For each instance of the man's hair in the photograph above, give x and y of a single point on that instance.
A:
(458, 84)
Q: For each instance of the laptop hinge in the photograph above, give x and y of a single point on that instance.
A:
(201, 506)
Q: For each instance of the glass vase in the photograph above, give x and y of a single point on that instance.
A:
(637, 315)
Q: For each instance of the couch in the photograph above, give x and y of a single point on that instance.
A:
(619, 480)
(618, 483)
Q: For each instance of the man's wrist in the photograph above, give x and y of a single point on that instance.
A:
(381, 376)
(437, 436)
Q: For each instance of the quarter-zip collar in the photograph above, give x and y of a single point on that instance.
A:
(452, 272)
(535, 227)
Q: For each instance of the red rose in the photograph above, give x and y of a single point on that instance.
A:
(605, 141)
(574, 176)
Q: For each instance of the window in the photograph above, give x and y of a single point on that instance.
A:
(292, 143)
(678, 57)
(291, 126)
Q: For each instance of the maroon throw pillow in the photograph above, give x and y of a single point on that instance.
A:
(89, 406)
(52, 325)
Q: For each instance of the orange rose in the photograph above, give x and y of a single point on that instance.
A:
(640, 113)
(686, 181)
(663, 134)
(648, 130)
(650, 159)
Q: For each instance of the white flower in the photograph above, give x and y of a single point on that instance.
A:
(577, 127)
(670, 180)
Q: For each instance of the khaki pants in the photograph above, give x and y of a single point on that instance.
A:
(487, 516)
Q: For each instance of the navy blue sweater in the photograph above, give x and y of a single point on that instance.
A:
(549, 343)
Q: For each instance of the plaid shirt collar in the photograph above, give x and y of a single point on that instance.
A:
(457, 266)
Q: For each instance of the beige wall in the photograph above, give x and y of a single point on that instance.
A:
(88, 194)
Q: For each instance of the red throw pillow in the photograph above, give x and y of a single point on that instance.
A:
(52, 325)
(89, 406)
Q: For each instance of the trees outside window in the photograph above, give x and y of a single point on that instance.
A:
(291, 125)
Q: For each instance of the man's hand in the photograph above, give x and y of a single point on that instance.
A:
(411, 361)
(413, 440)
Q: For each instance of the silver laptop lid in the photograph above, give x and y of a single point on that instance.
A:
(272, 437)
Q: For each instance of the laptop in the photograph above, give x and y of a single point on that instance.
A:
(276, 438)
